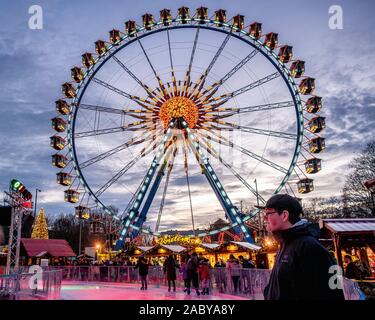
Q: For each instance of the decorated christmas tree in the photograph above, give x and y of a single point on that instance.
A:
(40, 230)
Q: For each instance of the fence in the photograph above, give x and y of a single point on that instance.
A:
(29, 286)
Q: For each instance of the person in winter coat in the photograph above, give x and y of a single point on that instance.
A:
(302, 265)
(170, 266)
(183, 270)
(142, 265)
(192, 271)
(204, 274)
(234, 270)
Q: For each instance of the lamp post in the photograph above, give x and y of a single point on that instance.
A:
(36, 199)
(259, 216)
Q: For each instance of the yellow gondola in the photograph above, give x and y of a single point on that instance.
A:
(184, 14)
(59, 161)
(82, 212)
(305, 185)
(130, 28)
(239, 22)
(313, 165)
(63, 178)
(71, 196)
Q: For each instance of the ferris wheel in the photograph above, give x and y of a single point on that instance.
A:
(182, 113)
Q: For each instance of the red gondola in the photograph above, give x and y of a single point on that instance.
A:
(317, 145)
(314, 104)
(77, 74)
(307, 86)
(202, 14)
(255, 30)
(62, 107)
(58, 124)
(239, 22)
(130, 28)
(100, 47)
(148, 21)
(297, 69)
(57, 142)
(184, 14)
(316, 124)
(88, 59)
(166, 17)
(115, 36)
(220, 17)
(68, 90)
(285, 54)
(271, 40)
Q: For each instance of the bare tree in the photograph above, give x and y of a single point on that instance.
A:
(357, 199)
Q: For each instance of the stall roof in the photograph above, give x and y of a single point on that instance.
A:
(247, 245)
(210, 245)
(348, 225)
(145, 248)
(55, 247)
(174, 248)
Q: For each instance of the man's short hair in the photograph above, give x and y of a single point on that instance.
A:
(281, 202)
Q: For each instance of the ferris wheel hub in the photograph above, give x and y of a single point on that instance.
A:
(179, 107)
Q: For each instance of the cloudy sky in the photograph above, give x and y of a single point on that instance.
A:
(34, 64)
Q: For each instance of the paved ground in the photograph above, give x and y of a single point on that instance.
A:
(77, 290)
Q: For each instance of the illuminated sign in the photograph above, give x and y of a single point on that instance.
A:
(168, 239)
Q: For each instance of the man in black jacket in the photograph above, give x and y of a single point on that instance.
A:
(301, 270)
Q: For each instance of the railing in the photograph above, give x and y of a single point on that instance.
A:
(29, 286)
(248, 283)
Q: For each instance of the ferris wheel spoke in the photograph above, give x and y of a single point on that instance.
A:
(203, 77)
(107, 154)
(189, 192)
(140, 101)
(217, 84)
(149, 92)
(172, 67)
(135, 126)
(186, 85)
(118, 175)
(227, 96)
(264, 107)
(162, 203)
(210, 149)
(222, 140)
(97, 108)
(161, 85)
(231, 126)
